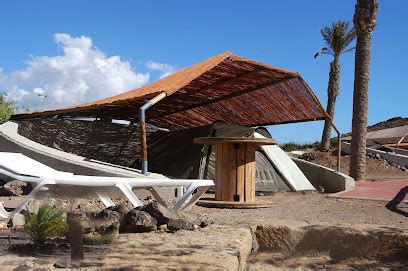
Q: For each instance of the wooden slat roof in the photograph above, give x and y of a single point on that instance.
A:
(225, 88)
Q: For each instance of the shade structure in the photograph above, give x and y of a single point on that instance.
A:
(225, 88)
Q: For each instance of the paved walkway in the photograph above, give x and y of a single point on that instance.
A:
(387, 190)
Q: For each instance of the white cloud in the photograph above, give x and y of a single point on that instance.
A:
(165, 69)
(81, 73)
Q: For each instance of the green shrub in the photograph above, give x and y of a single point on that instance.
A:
(47, 223)
(334, 141)
(6, 108)
(292, 146)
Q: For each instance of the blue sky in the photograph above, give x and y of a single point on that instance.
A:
(175, 34)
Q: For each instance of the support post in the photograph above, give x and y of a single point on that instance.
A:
(143, 134)
(338, 151)
(329, 119)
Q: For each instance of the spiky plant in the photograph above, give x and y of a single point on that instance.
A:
(47, 223)
(338, 37)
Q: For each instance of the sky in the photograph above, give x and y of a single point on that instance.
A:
(81, 50)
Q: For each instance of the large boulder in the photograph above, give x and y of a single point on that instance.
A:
(174, 220)
(159, 212)
(136, 221)
(121, 208)
(15, 188)
(100, 228)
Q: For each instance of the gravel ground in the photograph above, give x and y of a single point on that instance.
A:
(311, 208)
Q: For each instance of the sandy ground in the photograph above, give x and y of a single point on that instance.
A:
(270, 261)
(311, 208)
(222, 244)
(226, 244)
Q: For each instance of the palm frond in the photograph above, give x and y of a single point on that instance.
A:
(348, 50)
(338, 37)
(327, 34)
(45, 224)
(323, 51)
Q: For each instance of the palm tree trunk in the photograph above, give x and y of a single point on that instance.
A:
(364, 22)
(332, 92)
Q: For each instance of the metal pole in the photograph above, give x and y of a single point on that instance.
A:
(338, 151)
(143, 135)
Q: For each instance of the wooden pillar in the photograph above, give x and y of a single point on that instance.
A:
(143, 137)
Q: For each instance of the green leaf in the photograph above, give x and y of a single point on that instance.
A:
(47, 223)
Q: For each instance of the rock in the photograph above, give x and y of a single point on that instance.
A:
(193, 218)
(175, 220)
(404, 169)
(121, 209)
(159, 212)
(204, 224)
(255, 244)
(62, 265)
(15, 188)
(100, 228)
(137, 221)
(109, 215)
(17, 220)
(179, 223)
(308, 156)
(163, 228)
(67, 265)
(378, 156)
(4, 224)
(24, 267)
(2, 182)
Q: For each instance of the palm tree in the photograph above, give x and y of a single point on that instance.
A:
(47, 223)
(338, 37)
(365, 17)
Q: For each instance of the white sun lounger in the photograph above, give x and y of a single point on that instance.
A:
(42, 177)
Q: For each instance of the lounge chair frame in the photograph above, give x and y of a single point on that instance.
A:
(51, 177)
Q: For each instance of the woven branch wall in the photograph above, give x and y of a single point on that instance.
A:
(120, 144)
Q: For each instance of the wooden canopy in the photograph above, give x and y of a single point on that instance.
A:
(225, 88)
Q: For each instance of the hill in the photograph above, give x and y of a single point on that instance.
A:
(390, 123)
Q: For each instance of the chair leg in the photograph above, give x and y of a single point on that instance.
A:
(200, 191)
(106, 200)
(127, 191)
(28, 198)
(186, 196)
